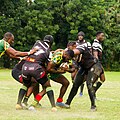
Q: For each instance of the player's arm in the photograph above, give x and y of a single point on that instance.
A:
(95, 53)
(76, 51)
(15, 54)
(51, 66)
(70, 70)
(12, 56)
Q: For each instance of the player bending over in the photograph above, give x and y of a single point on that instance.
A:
(56, 70)
(90, 68)
(35, 66)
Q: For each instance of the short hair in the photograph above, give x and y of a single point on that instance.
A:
(8, 35)
(71, 43)
(99, 32)
(70, 53)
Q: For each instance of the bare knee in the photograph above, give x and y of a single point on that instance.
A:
(102, 77)
(66, 83)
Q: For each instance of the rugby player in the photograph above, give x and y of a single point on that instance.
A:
(90, 68)
(5, 47)
(81, 41)
(35, 66)
(97, 53)
(56, 70)
(70, 46)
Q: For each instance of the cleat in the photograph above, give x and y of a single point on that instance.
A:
(81, 94)
(25, 106)
(54, 109)
(34, 103)
(18, 107)
(38, 105)
(60, 104)
(66, 106)
(93, 108)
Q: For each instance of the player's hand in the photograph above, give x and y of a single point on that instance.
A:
(33, 50)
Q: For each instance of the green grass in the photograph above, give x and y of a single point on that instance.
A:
(108, 103)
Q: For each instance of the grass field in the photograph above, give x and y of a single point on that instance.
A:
(108, 103)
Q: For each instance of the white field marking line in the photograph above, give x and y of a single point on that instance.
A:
(108, 99)
(91, 115)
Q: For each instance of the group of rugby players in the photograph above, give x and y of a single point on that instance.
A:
(41, 64)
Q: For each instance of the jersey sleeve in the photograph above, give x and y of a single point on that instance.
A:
(6, 45)
(89, 45)
(97, 46)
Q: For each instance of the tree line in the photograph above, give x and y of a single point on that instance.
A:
(31, 20)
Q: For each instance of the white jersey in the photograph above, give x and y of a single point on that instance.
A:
(97, 46)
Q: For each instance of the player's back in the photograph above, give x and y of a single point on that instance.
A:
(87, 59)
(41, 56)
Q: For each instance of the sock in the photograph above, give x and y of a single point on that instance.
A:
(38, 97)
(98, 84)
(21, 94)
(91, 95)
(50, 95)
(25, 100)
(59, 100)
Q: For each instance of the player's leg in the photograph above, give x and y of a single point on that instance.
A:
(99, 83)
(38, 97)
(65, 83)
(92, 77)
(77, 82)
(31, 90)
(21, 94)
(41, 77)
(48, 90)
(81, 90)
(16, 74)
(89, 80)
(50, 93)
(82, 86)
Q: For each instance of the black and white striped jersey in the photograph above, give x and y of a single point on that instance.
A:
(96, 46)
(82, 44)
(41, 56)
(87, 59)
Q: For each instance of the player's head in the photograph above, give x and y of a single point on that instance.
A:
(68, 55)
(71, 45)
(9, 37)
(100, 36)
(81, 35)
(49, 39)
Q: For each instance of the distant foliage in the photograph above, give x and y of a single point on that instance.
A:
(30, 21)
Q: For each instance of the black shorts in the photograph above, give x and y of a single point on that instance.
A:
(97, 69)
(34, 70)
(17, 74)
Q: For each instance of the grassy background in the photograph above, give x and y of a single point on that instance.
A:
(108, 103)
